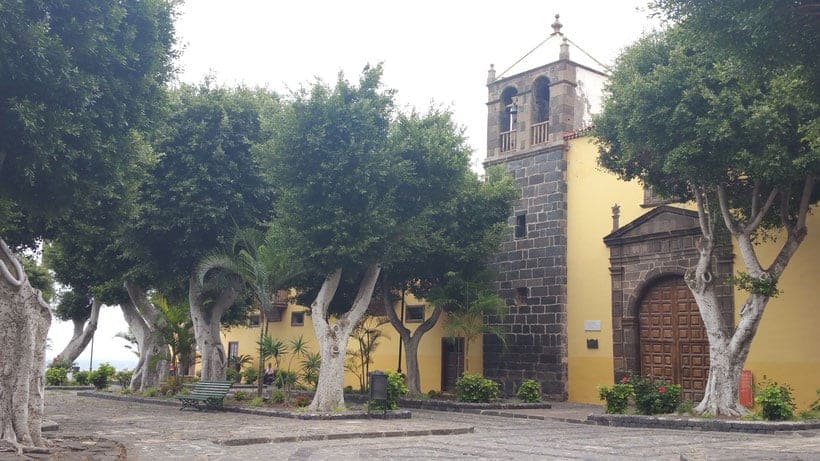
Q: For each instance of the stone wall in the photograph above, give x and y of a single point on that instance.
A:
(532, 279)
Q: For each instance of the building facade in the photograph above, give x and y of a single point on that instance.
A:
(592, 267)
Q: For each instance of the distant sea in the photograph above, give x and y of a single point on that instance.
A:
(119, 364)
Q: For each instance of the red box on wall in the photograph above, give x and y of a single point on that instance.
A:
(745, 392)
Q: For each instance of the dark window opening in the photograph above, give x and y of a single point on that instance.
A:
(297, 319)
(521, 226)
(414, 314)
(541, 96)
(253, 320)
(233, 349)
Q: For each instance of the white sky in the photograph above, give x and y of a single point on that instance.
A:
(434, 52)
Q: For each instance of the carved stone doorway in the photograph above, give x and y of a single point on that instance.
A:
(673, 342)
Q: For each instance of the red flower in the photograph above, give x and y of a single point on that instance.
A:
(661, 389)
(625, 379)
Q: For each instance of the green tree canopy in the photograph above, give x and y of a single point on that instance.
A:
(79, 79)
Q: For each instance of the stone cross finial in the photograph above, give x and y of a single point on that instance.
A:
(556, 26)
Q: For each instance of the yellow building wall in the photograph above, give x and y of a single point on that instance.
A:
(385, 357)
(786, 347)
(591, 194)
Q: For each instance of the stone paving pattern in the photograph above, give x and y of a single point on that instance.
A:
(154, 432)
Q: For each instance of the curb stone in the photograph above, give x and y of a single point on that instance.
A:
(665, 422)
(345, 435)
(393, 414)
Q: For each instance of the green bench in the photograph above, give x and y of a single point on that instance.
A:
(206, 394)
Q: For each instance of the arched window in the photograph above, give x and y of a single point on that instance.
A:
(508, 110)
(541, 95)
(541, 111)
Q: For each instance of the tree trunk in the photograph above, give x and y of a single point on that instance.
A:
(333, 339)
(82, 336)
(729, 344)
(207, 323)
(411, 342)
(145, 320)
(23, 331)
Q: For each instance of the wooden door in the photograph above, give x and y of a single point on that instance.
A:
(673, 341)
(452, 362)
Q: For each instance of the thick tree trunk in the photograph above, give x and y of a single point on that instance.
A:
(82, 336)
(411, 342)
(333, 339)
(729, 344)
(145, 320)
(207, 324)
(23, 330)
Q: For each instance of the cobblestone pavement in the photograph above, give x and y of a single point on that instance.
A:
(153, 432)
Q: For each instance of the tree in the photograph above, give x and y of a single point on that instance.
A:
(177, 332)
(206, 182)
(80, 79)
(733, 129)
(367, 333)
(455, 230)
(264, 262)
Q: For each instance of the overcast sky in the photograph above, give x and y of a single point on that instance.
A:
(434, 52)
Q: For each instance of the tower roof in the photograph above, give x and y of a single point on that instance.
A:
(555, 47)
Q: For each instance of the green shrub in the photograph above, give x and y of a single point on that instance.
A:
(475, 388)
(150, 392)
(171, 386)
(126, 391)
(302, 400)
(529, 391)
(277, 397)
(775, 400)
(617, 397)
(107, 369)
(655, 397)
(124, 378)
(813, 412)
(56, 376)
(348, 390)
(251, 374)
(285, 378)
(99, 378)
(83, 378)
(232, 375)
(396, 387)
(256, 402)
(240, 396)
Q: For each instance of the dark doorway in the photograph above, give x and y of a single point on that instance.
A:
(673, 342)
(452, 362)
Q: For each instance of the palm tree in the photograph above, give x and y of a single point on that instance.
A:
(264, 262)
(177, 332)
(467, 301)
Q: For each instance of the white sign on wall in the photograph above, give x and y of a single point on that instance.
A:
(592, 325)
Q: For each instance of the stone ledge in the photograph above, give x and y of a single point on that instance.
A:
(700, 424)
(463, 407)
(400, 414)
(346, 435)
(69, 388)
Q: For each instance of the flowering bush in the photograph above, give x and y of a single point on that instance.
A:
(655, 397)
(617, 397)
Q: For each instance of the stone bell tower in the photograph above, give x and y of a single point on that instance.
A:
(529, 115)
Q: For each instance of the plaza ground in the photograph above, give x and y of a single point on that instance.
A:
(154, 432)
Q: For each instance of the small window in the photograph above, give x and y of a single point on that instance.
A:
(297, 319)
(414, 314)
(521, 226)
(233, 349)
(521, 295)
(253, 320)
